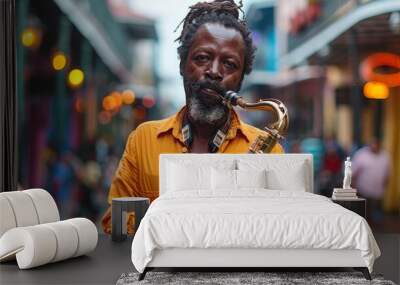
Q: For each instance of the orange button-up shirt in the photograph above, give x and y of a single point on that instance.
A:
(137, 174)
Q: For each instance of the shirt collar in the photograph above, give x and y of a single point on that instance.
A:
(174, 123)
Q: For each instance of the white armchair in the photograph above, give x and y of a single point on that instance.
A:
(31, 230)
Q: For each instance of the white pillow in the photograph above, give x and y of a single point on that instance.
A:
(282, 174)
(223, 179)
(183, 177)
(251, 178)
(290, 181)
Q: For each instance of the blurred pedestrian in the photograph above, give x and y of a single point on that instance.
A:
(295, 147)
(371, 170)
(62, 182)
(331, 171)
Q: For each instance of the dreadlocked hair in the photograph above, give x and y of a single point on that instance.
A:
(224, 12)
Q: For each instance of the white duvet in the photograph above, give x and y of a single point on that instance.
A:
(252, 218)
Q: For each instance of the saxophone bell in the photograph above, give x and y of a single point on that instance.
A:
(274, 130)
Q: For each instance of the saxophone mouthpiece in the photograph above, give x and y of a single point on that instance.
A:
(231, 97)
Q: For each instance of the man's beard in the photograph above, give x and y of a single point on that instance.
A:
(205, 115)
(205, 110)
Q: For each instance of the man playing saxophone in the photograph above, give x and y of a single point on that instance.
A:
(216, 51)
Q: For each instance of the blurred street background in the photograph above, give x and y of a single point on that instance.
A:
(90, 71)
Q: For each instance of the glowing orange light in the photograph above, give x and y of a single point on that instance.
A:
(59, 61)
(118, 98)
(128, 97)
(109, 103)
(376, 90)
(148, 101)
(76, 77)
(104, 117)
(368, 66)
(30, 37)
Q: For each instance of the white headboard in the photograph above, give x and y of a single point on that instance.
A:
(277, 162)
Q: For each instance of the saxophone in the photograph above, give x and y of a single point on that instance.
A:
(275, 130)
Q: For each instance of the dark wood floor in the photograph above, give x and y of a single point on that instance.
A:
(387, 234)
(388, 263)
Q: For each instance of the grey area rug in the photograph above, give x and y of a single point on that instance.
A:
(228, 278)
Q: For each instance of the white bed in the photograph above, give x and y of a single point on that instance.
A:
(247, 211)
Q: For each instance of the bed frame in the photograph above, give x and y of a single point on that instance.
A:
(245, 259)
(242, 259)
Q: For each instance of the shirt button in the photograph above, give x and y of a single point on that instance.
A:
(184, 149)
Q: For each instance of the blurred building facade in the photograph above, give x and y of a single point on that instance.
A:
(357, 44)
(86, 79)
(295, 86)
(336, 66)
